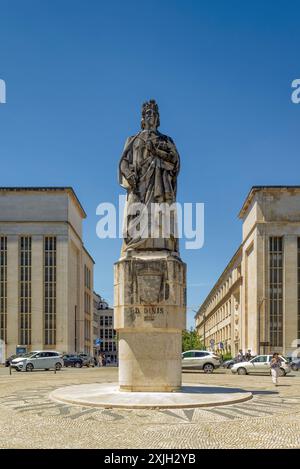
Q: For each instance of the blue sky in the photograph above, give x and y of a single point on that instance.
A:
(221, 71)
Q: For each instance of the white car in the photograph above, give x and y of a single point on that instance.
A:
(38, 360)
(260, 364)
(201, 360)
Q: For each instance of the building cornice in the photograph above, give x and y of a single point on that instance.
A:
(68, 189)
(270, 189)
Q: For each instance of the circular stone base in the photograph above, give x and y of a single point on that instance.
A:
(108, 396)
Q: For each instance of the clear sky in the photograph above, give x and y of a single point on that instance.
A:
(77, 73)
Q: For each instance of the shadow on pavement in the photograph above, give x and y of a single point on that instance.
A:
(210, 390)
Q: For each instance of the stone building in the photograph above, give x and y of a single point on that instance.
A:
(255, 303)
(46, 274)
(104, 329)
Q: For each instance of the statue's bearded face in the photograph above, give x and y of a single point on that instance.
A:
(150, 119)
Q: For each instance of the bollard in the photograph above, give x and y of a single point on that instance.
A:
(55, 369)
(10, 369)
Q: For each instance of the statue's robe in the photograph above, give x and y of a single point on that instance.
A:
(155, 174)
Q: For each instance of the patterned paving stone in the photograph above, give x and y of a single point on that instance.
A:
(28, 418)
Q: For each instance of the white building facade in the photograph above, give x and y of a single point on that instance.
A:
(46, 274)
(255, 304)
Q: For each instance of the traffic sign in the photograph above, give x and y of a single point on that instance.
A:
(98, 341)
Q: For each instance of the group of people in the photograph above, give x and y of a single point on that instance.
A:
(244, 358)
(101, 360)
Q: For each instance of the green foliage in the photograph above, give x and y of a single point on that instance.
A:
(227, 356)
(191, 340)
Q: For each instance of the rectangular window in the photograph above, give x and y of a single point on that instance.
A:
(87, 329)
(25, 290)
(50, 290)
(87, 277)
(87, 303)
(3, 288)
(276, 291)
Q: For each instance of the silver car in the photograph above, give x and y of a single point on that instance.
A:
(201, 360)
(260, 364)
(41, 360)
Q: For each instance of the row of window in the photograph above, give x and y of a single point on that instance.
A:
(108, 346)
(224, 289)
(3, 288)
(276, 291)
(219, 316)
(107, 333)
(106, 321)
(25, 289)
(222, 335)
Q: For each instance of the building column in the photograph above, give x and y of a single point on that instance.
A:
(12, 294)
(290, 295)
(37, 292)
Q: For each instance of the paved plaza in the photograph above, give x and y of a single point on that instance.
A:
(30, 419)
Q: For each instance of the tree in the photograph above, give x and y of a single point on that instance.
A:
(191, 340)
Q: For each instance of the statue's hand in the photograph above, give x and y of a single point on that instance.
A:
(163, 146)
(132, 181)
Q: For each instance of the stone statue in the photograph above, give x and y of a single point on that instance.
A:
(150, 277)
(148, 170)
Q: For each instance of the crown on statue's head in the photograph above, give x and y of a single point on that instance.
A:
(151, 104)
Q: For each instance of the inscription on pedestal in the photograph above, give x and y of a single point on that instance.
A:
(148, 313)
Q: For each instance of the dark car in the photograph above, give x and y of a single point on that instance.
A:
(12, 357)
(73, 360)
(229, 363)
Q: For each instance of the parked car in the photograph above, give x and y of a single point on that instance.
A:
(229, 363)
(201, 360)
(11, 358)
(87, 359)
(73, 360)
(20, 358)
(260, 364)
(295, 364)
(38, 360)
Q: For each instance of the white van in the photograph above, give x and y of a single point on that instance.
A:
(39, 360)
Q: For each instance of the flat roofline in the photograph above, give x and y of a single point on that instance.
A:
(255, 189)
(67, 189)
(88, 254)
(215, 287)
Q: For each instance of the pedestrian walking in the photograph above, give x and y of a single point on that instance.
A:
(100, 360)
(275, 366)
(104, 360)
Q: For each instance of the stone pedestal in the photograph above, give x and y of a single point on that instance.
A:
(149, 315)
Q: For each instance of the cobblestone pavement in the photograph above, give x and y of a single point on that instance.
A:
(29, 419)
